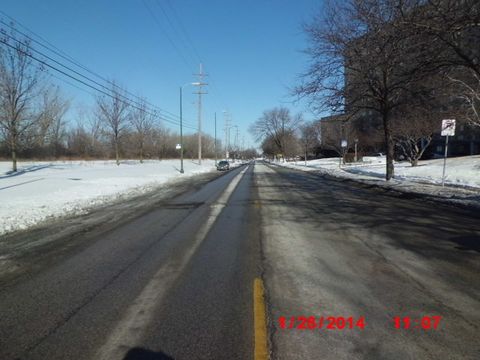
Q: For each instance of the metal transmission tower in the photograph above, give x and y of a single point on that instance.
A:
(226, 119)
(236, 142)
(200, 84)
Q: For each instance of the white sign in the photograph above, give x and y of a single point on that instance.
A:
(178, 147)
(344, 143)
(448, 127)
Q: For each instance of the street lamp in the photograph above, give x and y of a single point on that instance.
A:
(181, 123)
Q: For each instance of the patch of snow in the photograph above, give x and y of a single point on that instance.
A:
(462, 178)
(39, 191)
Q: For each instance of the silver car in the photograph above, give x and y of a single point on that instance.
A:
(223, 165)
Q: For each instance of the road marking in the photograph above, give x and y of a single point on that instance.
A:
(129, 331)
(260, 321)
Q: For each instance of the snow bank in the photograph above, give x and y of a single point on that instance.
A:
(462, 175)
(42, 190)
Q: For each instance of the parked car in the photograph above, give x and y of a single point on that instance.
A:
(223, 165)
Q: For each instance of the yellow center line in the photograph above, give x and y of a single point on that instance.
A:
(260, 321)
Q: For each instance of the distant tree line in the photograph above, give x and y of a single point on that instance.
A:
(33, 124)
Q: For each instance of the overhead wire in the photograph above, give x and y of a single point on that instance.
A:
(174, 29)
(157, 21)
(190, 44)
(184, 31)
(65, 56)
(166, 114)
(108, 94)
(159, 112)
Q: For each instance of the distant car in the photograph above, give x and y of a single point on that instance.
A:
(223, 165)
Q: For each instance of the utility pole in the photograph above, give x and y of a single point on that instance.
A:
(236, 143)
(181, 133)
(243, 147)
(215, 143)
(200, 84)
(227, 127)
(236, 140)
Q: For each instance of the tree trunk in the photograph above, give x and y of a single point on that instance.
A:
(305, 155)
(13, 146)
(390, 146)
(116, 152)
(141, 152)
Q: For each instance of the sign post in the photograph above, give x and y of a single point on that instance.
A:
(344, 145)
(448, 129)
(179, 147)
(356, 153)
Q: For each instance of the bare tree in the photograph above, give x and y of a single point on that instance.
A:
(309, 138)
(94, 129)
(277, 125)
(269, 148)
(52, 122)
(250, 153)
(469, 93)
(19, 89)
(413, 135)
(162, 142)
(369, 134)
(113, 112)
(363, 60)
(454, 26)
(143, 122)
(334, 131)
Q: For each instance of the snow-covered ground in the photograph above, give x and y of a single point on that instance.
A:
(42, 190)
(462, 175)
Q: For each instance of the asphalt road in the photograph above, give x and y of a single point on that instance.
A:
(171, 280)
(337, 249)
(171, 276)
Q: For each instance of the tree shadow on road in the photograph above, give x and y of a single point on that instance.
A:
(428, 228)
(467, 242)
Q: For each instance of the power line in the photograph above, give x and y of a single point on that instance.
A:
(137, 100)
(184, 31)
(166, 34)
(185, 39)
(173, 27)
(68, 58)
(127, 102)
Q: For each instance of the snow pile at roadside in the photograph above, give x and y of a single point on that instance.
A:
(462, 175)
(42, 190)
(462, 171)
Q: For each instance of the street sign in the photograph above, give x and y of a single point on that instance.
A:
(344, 143)
(448, 127)
(178, 147)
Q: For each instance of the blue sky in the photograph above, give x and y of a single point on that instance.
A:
(252, 50)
